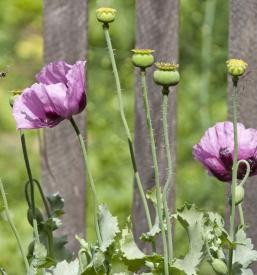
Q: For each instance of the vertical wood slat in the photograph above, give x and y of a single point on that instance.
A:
(243, 45)
(65, 38)
(157, 29)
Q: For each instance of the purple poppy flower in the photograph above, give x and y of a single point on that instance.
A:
(215, 150)
(59, 95)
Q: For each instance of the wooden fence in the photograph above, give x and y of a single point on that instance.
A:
(157, 25)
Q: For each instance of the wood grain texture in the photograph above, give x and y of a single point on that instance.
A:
(157, 29)
(65, 38)
(243, 44)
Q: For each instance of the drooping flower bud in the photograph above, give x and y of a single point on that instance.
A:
(236, 67)
(240, 193)
(14, 95)
(219, 266)
(39, 216)
(142, 58)
(239, 197)
(105, 15)
(166, 74)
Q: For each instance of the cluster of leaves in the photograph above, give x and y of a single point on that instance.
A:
(206, 234)
(50, 249)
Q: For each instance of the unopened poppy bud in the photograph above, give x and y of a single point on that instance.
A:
(219, 266)
(239, 195)
(166, 74)
(105, 15)
(14, 95)
(39, 216)
(143, 58)
(236, 67)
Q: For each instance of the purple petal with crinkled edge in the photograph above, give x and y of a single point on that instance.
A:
(76, 96)
(53, 73)
(40, 106)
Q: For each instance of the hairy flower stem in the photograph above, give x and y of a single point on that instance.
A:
(91, 180)
(125, 124)
(15, 232)
(31, 182)
(241, 215)
(168, 184)
(234, 175)
(156, 170)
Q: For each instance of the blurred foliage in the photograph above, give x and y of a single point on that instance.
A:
(21, 56)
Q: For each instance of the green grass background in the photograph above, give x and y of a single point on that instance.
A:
(21, 48)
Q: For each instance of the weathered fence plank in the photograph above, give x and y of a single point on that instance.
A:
(156, 28)
(65, 38)
(243, 44)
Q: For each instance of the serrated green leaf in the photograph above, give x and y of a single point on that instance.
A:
(244, 254)
(134, 258)
(238, 270)
(193, 222)
(153, 233)
(65, 268)
(96, 266)
(56, 203)
(215, 234)
(52, 223)
(108, 227)
(151, 195)
(60, 251)
(39, 258)
(128, 245)
(82, 242)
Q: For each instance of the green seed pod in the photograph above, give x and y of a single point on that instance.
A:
(166, 74)
(105, 15)
(239, 196)
(236, 67)
(219, 267)
(39, 216)
(142, 58)
(14, 95)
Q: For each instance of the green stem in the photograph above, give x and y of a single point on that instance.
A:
(125, 124)
(50, 244)
(43, 197)
(26, 159)
(91, 180)
(168, 184)
(234, 176)
(156, 170)
(241, 214)
(14, 230)
(32, 193)
(48, 212)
